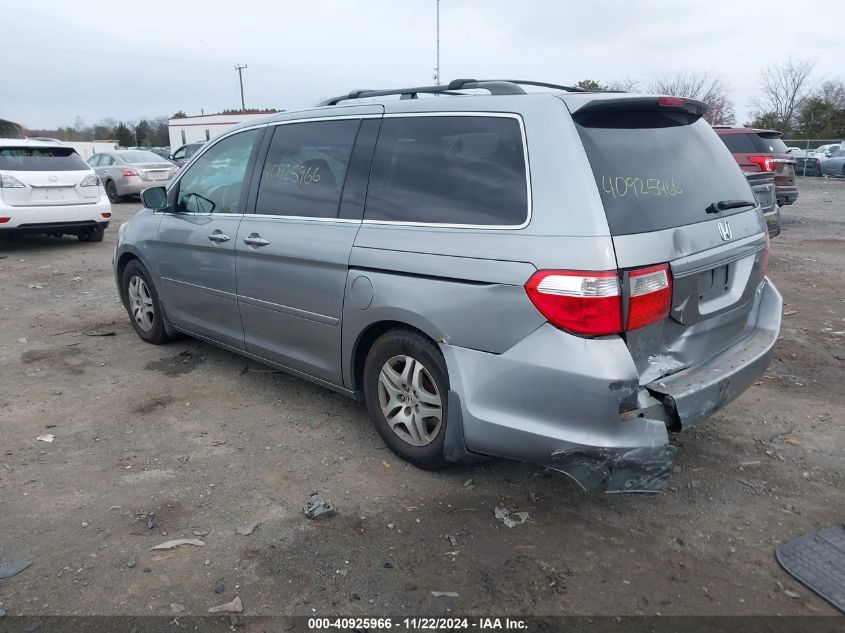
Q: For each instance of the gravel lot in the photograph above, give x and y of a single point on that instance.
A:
(157, 443)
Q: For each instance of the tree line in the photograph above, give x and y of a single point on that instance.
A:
(791, 100)
(142, 133)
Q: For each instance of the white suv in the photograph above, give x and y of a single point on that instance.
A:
(46, 187)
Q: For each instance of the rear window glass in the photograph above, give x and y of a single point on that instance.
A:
(771, 143)
(657, 170)
(140, 157)
(740, 143)
(41, 159)
(450, 170)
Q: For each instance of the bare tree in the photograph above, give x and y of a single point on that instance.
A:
(785, 87)
(711, 89)
(623, 85)
(832, 92)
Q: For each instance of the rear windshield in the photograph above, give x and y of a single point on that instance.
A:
(41, 159)
(657, 170)
(740, 143)
(140, 157)
(771, 143)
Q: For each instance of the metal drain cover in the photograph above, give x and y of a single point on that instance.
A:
(817, 560)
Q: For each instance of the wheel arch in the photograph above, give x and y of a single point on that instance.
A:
(368, 336)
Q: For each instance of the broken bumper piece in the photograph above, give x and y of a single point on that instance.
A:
(642, 469)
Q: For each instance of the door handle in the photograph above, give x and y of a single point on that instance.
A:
(218, 236)
(255, 239)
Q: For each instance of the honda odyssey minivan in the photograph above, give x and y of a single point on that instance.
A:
(560, 277)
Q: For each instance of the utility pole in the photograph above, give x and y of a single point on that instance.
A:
(437, 67)
(240, 69)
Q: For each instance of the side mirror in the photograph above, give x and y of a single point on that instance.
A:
(170, 157)
(154, 198)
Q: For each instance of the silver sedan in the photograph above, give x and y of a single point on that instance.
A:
(130, 171)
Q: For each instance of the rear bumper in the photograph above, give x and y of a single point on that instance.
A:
(73, 228)
(690, 396)
(773, 221)
(29, 219)
(576, 405)
(786, 195)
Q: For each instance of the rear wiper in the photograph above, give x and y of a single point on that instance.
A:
(724, 205)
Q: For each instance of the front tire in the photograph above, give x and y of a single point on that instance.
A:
(406, 387)
(140, 298)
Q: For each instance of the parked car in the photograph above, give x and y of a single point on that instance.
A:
(806, 163)
(826, 150)
(48, 188)
(558, 277)
(164, 152)
(834, 164)
(126, 172)
(183, 154)
(763, 186)
(758, 150)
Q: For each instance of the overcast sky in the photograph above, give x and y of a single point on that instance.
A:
(127, 60)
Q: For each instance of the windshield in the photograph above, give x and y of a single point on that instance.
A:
(41, 159)
(657, 170)
(140, 157)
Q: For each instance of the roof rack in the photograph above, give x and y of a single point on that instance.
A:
(494, 86)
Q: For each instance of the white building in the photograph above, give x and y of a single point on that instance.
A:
(197, 129)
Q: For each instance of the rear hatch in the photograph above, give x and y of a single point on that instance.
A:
(762, 151)
(662, 173)
(46, 176)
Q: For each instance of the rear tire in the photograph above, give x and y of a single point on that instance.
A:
(406, 387)
(111, 192)
(140, 298)
(93, 235)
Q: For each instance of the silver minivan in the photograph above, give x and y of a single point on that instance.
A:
(560, 277)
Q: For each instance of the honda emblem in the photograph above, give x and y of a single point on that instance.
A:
(725, 230)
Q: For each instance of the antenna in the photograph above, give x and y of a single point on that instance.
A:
(437, 67)
(240, 69)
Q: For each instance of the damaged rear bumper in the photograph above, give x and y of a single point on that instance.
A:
(576, 405)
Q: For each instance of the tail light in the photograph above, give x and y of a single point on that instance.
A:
(590, 303)
(581, 302)
(651, 296)
(128, 172)
(671, 101)
(106, 215)
(10, 182)
(765, 163)
(91, 180)
(4, 220)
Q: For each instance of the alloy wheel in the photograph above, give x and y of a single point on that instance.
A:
(141, 303)
(410, 400)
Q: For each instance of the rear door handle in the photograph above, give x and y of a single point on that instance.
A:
(218, 236)
(255, 239)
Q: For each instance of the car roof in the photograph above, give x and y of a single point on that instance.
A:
(27, 142)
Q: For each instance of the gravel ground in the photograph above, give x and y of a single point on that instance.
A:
(189, 441)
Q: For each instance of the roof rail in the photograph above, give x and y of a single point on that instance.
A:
(494, 86)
